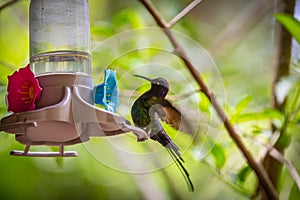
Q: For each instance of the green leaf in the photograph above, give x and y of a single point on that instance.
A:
(291, 24)
(103, 29)
(256, 129)
(284, 86)
(292, 107)
(243, 104)
(244, 173)
(284, 140)
(294, 193)
(59, 160)
(204, 103)
(127, 17)
(219, 154)
(267, 114)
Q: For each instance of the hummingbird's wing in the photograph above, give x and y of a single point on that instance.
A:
(158, 133)
(172, 116)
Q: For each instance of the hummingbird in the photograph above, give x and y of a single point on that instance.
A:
(147, 110)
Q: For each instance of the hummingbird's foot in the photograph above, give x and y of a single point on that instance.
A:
(140, 133)
(142, 139)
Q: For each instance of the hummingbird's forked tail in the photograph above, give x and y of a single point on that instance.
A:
(173, 150)
(178, 161)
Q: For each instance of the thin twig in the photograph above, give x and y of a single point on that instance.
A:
(3, 6)
(225, 180)
(278, 156)
(256, 166)
(183, 13)
(241, 24)
(183, 96)
(273, 152)
(131, 93)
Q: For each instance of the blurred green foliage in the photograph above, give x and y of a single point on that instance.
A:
(291, 24)
(240, 77)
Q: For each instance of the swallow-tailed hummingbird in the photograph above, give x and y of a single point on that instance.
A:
(145, 113)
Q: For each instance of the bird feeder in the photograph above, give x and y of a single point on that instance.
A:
(60, 59)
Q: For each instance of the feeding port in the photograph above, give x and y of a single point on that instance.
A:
(60, 58)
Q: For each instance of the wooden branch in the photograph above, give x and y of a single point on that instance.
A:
(278, 156)
(240, 25)
(256, 166)
(9, 3)
(131, 93)
(283, 41)
(183, 13)
(283, 44)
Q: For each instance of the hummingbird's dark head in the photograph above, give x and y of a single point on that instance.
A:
(159, 85)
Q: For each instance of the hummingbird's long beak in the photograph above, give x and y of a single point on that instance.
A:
(143, 77)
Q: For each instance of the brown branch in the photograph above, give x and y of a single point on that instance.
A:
(241, 24)
(283, 41)
(131, 93)
(283, 44)
(279, 157)
(9, 3)
(183, 13)
(274, 153)
(256, 166)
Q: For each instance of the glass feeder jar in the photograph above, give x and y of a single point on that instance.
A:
(60, 36)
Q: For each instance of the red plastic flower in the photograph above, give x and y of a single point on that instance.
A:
(23, 90)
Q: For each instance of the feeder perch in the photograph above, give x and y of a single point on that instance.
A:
(65, 114)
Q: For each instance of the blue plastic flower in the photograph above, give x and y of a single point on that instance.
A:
(106, 94)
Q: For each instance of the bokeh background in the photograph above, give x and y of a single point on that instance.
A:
(235, 37)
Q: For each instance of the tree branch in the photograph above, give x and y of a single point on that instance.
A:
(282, 57)
(240, 25)
(9, 3)
(183, 13)
(283, 44)
(278, 156)
(256, 166)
